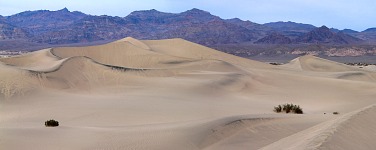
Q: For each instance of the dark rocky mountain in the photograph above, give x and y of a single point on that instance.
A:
(8, 32)
(290, 29)
(258, 29)
(349, 31)
(40, 21)
(210, 33)
(194, 25)
(274, 38)
(158, 18)
(285, 26)
(368, 35)
(335, 30)
(89, 28)
(148, 16)
(64, 27)
(369, 30)
(324, 35)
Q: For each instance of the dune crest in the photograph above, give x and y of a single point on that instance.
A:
(134, 42)
(326, 68)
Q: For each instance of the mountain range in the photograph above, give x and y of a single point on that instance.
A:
(66, 27)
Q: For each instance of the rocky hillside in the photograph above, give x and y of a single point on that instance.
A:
(368, 35)
(41, 21)
(258, 29)
(274, 38)
(290, 29)
(65, 27)
(195, 25)
(8, 32)
(325, 35)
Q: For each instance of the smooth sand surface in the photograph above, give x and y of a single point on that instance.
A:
(174, 94)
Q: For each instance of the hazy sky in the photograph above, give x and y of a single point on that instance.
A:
(354, 14)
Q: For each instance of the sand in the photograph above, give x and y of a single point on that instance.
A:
(174, 94)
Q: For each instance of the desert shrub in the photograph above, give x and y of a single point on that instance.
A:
(275, 63)
(287, 108)
(335, 113)
(51, 123)
(278, 109)
(298, 110)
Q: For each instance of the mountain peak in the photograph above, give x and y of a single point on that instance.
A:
(370, 30)
(235, 19)
(324, 35)
(324, 27)
(238, 20)
(150, 12)
(196, 11)
(197, 15)
(65, 9)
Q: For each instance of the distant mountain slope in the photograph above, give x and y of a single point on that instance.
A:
(40, 21)
(349, 31)
(274, 38)
(89, 28)
(325, 35)
(194, 25)
(259, 29)
(368, 34)
(8, 31)
(290, 29)
(65, 27)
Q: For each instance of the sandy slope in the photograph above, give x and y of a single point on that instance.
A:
(174, 94)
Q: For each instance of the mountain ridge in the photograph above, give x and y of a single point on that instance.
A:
(41, 23)
(48, 28)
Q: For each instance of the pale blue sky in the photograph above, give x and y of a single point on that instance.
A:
(354, 14)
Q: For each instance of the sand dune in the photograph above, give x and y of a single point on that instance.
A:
(174, 94)
(337, 133)
(326, 68)
(312, 63)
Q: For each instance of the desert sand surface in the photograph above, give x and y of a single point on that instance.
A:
(174, 94)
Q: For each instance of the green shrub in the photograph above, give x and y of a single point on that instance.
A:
(287, 108)
(51, 123)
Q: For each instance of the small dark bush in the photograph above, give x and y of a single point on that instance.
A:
(51, 123)
(278, 109)
(298, 110)
(288, 108)
(335, 113)
(275, 63)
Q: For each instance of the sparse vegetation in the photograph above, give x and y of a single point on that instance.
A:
(335, 113)
(359, 64)
(288, 108)
(275, 63)
(278, 109)
(51, 123)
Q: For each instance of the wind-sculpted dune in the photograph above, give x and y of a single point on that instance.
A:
(174, 94)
